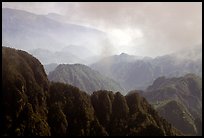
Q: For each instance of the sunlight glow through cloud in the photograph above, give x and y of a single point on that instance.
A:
(152, 29)
(124, 36)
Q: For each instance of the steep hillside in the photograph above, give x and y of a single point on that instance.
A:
(130, 71)
(83, 77)
(179, 100)
(34, 107)
(103, 113)
(24, 94)
(71, 112)
(138, 73)
(178, 115)
(129, 115)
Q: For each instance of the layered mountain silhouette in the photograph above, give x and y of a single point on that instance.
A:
(49, 57)
(138, 73)
(32, 106)
(41, 35)
(68, 55)
(50, 67)
(83, 77)
(179, 100)
(39, 31)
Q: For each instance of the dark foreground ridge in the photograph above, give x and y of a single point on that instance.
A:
(34, 106)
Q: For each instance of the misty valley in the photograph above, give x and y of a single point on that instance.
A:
(60, 78)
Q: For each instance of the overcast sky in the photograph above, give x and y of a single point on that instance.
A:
(145, 29)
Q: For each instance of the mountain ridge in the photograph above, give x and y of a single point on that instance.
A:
(138, 73)
(33, 106)
(39, 31)
(83, 77)
(179, 100)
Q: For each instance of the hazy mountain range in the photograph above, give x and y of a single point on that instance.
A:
(50, 67)
(31, 32)
(84, 78)
(32, 106)
(138, 73)
(68, 86)
(179, 100)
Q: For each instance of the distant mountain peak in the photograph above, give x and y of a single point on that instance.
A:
(45, 31)
(36, 107)
(123, 54)
(84, 77)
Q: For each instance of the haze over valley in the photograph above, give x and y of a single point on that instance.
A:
(102, 69)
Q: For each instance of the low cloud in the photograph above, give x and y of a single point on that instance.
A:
(148, 29)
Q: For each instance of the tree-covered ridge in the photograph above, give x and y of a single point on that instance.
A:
(24, 94)
(33, 106)
(103, 113)
(179, 100)
(83, 77)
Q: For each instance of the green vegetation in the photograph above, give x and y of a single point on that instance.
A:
(25, 88)
(83, 77)
(32, 106)
(179, 101)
